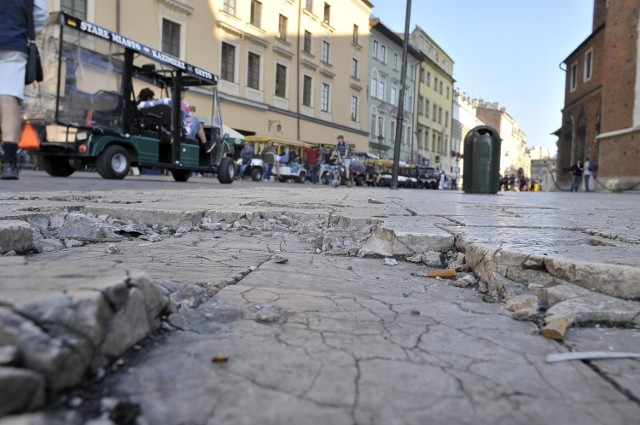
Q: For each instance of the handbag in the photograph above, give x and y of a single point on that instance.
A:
(33, 70)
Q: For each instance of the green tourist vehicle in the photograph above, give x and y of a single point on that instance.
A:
(84, 114)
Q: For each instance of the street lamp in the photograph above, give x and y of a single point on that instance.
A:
(400, 118)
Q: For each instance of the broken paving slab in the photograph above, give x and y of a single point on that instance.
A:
(402, 236)
(15, 236)
(582, 306)
(150, 216)
(66, 324)
(564, 255)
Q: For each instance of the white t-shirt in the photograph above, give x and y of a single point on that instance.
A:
(587, 168)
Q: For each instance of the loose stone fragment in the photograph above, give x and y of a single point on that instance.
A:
(466, 280)
(432, 259)
(111, 249)
(20, 390)
(9, 355)
(374, 201)
(523, 307)
(415, 258)
(487, 299)
(390, 262)
(278, 258)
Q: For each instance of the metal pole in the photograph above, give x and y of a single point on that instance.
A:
(399, 119)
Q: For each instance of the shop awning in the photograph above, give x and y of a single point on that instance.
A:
(234, 137)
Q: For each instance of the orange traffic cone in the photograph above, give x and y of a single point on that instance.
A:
(29, 139)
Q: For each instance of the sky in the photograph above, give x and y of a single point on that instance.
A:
(505, 51)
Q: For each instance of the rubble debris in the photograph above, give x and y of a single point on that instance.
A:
(374, 201)
(414, 258)
(590, 355)
(523, 307)
(458, 262)
(20, 390)
(432, 259)
(111, 249)
(466, 280)
(279, 258)
(9, 355)
(390, 262)
(487, 299)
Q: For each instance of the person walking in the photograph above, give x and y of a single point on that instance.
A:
(14, 42)
(246, 154)
(311, 160)
(576, 171)
(442, 185)
(343, 152)
(268, 154)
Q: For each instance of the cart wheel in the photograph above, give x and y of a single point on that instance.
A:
(180, 175)
(226, 171)
(256, 174)
(114, 162)
(56, 166)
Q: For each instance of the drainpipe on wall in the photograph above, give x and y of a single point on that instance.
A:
(298, 72)
(118, 16)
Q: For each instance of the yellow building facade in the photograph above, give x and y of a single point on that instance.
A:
(295, 69)
(434, 103)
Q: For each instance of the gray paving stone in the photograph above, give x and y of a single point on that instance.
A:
(324, 337)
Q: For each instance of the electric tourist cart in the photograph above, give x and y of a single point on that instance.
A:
(85, 115)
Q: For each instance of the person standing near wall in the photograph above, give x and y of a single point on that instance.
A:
(14, 42)
(588, 170)
(576, 170)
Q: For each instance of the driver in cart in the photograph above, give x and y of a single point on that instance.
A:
(191, 124)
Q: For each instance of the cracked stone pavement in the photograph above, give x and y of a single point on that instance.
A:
(334, 338)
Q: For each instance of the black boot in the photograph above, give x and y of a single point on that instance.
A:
(9, 162)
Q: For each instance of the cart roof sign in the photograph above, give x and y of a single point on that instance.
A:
(165, 58)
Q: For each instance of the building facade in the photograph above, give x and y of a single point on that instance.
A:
(434, 103)
(385, 76)
(295, 69)
(601, 114)
(514, 157)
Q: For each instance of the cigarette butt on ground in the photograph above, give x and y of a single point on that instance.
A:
(556, 328)
(446, 273)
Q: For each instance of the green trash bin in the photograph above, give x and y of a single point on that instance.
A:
(482, 160)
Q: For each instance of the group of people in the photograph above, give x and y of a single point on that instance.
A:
(580, 170)
(339, 155)
(313, 159)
